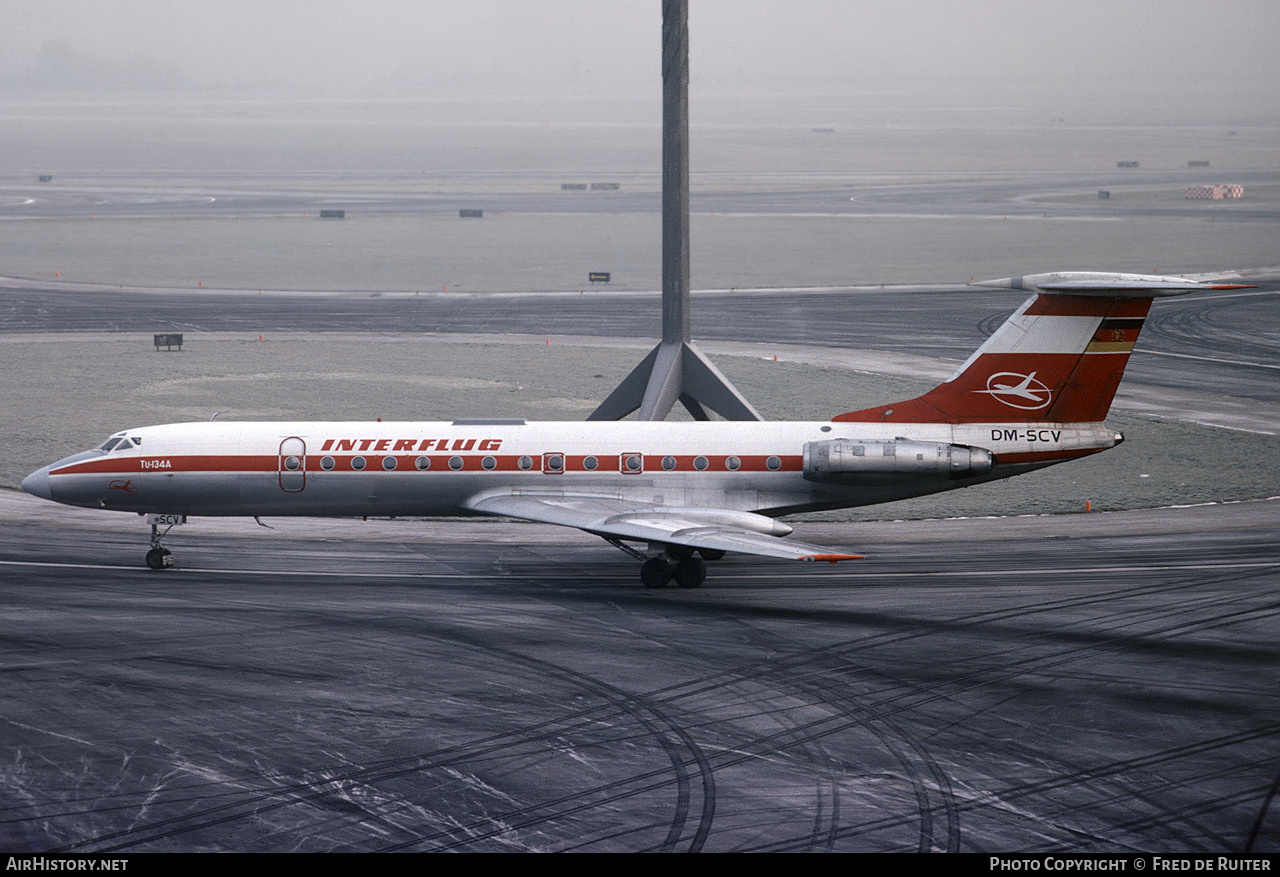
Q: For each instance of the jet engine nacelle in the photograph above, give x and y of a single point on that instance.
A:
(845, 461)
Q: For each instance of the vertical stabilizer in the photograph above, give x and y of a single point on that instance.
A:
(1058, 358)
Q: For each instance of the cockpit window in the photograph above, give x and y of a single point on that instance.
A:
(120, 442)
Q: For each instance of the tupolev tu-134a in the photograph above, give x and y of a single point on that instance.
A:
(1035, 394)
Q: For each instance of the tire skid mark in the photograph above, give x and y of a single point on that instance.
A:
(790, 673)
(826, 781)
(1019, 669)
(1262, 814)
(796, 665)
(619, 706)
(1015, 669)
(825, 683)
(661, 728)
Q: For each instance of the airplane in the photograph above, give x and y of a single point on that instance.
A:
(1033, 395)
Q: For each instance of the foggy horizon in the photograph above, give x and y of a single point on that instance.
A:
(1091, 61)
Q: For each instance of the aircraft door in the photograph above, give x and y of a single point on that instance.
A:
(293, 465)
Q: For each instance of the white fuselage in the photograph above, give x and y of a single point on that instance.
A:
(415, 469)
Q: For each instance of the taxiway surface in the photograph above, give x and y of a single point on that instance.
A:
(1086, 683)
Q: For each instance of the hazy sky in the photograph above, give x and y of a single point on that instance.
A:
(1108, 50)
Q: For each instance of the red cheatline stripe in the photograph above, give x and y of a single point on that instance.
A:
(190, 463)
(608, 463)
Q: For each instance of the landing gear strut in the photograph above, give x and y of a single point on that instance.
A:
(677, 562)
(159, 557)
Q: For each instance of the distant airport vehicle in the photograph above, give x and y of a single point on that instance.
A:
(1033, 395)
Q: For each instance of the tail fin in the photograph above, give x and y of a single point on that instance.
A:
(1059, 358)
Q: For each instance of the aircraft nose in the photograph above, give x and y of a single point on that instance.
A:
(37, 484)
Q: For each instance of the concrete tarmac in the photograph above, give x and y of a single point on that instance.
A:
(1099, 683)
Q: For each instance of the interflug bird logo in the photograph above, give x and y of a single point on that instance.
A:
(1018, 390)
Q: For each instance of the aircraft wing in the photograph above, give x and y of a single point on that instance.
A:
(621, 518)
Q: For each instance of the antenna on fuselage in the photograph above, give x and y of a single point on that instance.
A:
(675, 370)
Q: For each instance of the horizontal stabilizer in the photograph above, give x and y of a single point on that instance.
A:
(1107, 285)
(1057, 359)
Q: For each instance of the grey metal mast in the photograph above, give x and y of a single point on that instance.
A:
(675, 369)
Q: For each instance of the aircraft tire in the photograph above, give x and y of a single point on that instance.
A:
(711, 553)
(655, 572)
(690, 572)
(158, 558)
(680, 552)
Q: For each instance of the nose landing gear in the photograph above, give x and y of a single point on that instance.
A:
(160, 557)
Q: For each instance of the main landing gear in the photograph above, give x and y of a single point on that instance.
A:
(676, 563)
(687, 572)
